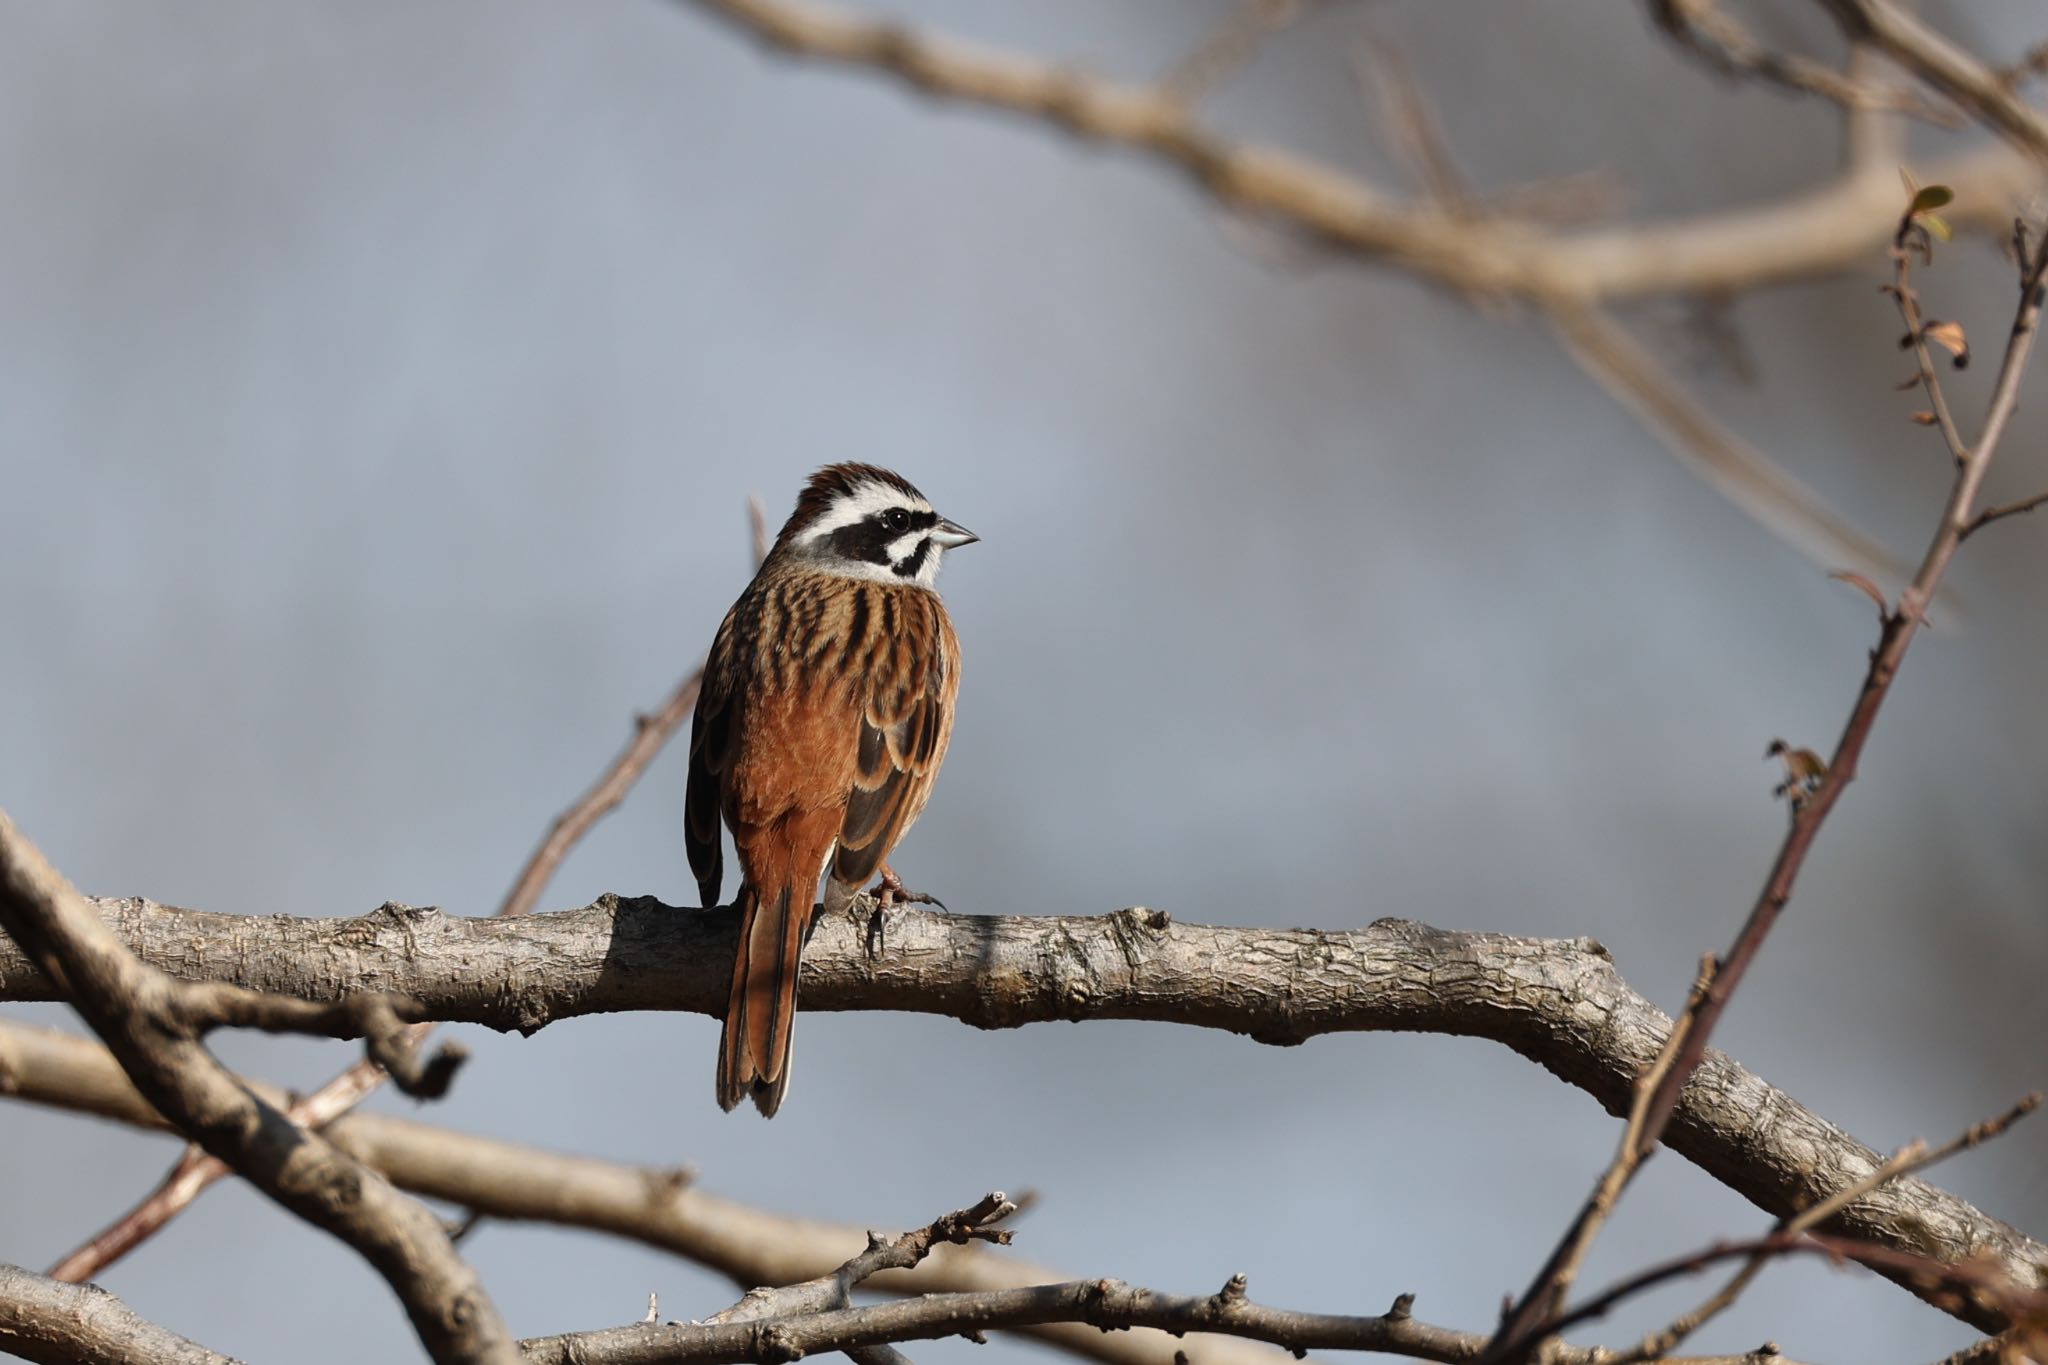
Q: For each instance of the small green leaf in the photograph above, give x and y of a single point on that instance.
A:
(1932, 197)
(1938, 225)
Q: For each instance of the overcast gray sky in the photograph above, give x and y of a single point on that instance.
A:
(384, 386)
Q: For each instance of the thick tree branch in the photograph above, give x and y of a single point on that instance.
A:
(1561, 1003)
(54, 1323)
(144, 1017)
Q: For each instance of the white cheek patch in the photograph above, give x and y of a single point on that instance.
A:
(851, 509)
(904, 546)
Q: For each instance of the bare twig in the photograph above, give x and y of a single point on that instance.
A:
(662, 1208)
(1414, 133)
(1830, 228)
(1713, 35)
(195, 1171)
(54, 1323)
(1908, 299)
(1939, 1279)
(140, 1014)
(1231, 44)
(1523, 1329)
(1913, 1157)
(1479, 255)
(2010, 509)
(824, 1293)
(1741, 473)
(1554, 1281)
(1560, 1003)
(1109, 1305)
(1977, 87)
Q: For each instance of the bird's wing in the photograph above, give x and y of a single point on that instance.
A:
(712, 729)
(905, 726)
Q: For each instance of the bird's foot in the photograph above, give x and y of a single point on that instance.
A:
(890, 891)
(887, 895)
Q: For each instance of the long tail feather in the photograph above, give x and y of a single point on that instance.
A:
(753, 1052)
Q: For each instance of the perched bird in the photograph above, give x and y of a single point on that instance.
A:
(825, 713)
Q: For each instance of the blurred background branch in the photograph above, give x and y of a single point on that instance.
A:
(1493, 256)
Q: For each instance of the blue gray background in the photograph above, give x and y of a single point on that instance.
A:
(384, 384)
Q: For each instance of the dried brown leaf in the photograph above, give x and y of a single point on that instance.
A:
(1949, 336)
(1925, 418)
(1870, 589)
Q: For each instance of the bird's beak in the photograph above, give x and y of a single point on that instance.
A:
(948, 535)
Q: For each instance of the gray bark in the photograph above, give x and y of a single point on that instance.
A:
(1560, 1003)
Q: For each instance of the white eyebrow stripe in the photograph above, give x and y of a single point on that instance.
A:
(850, 509)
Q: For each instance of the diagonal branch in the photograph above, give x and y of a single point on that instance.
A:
(142, 1015)
(1714, 36)
(661, 1208)
(1522, 1331)
(1560, 1003)
(1829, 228)
(196, 1172)
(1977, 87)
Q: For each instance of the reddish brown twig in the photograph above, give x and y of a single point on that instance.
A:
(195, 1170)
(1914, 1156)
(1523, 1328)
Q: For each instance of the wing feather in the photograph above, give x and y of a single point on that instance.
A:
(903, 733)
(711, 734)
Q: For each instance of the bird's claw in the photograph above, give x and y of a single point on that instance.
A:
(889, 892)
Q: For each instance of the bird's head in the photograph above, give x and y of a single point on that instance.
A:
(862, 521)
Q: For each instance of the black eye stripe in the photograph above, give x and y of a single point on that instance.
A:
(898, 520)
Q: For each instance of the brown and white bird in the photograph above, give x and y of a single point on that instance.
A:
(825, 713)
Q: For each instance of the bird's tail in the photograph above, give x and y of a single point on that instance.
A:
(753, 1052)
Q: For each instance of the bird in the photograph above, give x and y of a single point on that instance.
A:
(824, 715)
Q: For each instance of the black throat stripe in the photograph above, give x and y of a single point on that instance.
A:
(911, 567)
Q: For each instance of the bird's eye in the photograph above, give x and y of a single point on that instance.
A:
(896, 519)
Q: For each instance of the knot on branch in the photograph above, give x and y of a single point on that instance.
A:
(775, 1345)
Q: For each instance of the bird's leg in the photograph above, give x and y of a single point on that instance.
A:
(890, 891)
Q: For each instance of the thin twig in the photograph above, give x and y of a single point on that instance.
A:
(1973, 84)
(1631, 374)
(2011, 509)
(1109, 1305)
(1234, 41)
(1902, 291)
(1913, 1157)
(1523, 1328)
(906, 1252)
(1710, 33)
(1480, 256)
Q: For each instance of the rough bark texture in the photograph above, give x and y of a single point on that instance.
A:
(53, 1323)
(1560, 1003)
